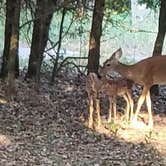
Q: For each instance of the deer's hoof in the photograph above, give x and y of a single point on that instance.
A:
(150, 125)
(90, 125)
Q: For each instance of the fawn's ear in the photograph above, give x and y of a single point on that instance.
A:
(117, 54)
(100, 69)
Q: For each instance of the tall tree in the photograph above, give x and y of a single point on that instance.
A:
(161, 29)
(14, 43)
(95, 35)
(160, 37)
(43, 17)
(11, 27)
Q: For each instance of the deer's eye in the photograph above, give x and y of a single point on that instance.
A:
(108, 64)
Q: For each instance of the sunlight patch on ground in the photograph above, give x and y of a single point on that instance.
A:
(136, 132)
(4, 140)
(138, 125)
(103, 130)
(134, 135)
(3, 101)
(142, 134)
(159, 138)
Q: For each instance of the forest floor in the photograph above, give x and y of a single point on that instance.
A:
(46, 125)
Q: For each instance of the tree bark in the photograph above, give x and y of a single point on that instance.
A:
(13, 45)
(161, 30)
(42, 22)
(160, 39)
(10, 9)
(95, 35)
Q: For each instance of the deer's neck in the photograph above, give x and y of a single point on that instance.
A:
(126, 71)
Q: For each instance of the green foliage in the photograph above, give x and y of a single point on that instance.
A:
(116, 18)
(74, 28)
(119, 6)
(113, 127)
(152, 4)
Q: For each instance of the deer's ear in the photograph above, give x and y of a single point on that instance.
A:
(117, 54)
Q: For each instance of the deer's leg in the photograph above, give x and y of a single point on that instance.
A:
(114, 107)
(98, 112)
(110, 109)
(91, 109)
(140, 102)
(131, 102)
(149, 106)
(127, 106)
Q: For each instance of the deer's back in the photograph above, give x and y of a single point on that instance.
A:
(93, 83)
(119, 86)
(151, 70)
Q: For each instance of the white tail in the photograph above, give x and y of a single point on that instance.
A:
(147, 72)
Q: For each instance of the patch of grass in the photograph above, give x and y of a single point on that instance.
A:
(113, 127)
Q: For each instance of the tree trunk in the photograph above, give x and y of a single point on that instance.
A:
(13, 45)
(10, 9)
(161, 30)
(54, 72)
(95, 35)
(160, 39)
(42, 22)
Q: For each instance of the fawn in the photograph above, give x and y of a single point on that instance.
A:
(118, 87)
(93, 86)
(113, 88)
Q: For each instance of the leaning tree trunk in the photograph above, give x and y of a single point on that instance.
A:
(13, 45)
(160, 38)
(43, 17)
(95, 35)
(8, 32)
(54, 72)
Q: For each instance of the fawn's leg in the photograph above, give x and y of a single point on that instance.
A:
(98, 112)
(114, 107)
(110, 109)
(91, 109)
(148, 103)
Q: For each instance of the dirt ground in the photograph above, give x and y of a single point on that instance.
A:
(46, 125)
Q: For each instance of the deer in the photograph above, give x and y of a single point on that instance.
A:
(118, 87)
(93, 86)
(113, 88)
(147, 72)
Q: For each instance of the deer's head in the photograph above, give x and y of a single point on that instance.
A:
(111, 63)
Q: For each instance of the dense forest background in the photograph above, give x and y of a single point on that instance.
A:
(136, 24)
(126, 24)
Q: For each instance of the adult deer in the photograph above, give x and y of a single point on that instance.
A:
(147, 72)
